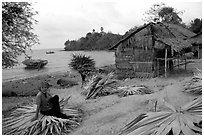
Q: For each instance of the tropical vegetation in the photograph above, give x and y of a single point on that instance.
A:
(17, 35)
(83, 64)
(93, 41)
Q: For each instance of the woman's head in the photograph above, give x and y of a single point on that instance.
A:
(44, 86)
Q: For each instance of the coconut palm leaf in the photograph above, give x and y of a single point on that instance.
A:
(82, 63)
(177, 122)
(19, 122)
(133, 89)
(194, 87)
(100, 85)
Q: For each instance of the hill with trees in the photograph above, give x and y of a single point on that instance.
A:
(93, 41)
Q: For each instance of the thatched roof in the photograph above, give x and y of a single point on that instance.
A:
(175, 43)
(197, 39)
(164, 34)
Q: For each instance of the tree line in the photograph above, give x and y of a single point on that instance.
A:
(93, 41)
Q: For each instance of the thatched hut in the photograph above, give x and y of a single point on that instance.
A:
(196, 41)
(149, 51)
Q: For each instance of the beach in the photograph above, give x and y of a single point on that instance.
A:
(104, 115)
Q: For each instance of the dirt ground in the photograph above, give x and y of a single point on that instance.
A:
(108, 114)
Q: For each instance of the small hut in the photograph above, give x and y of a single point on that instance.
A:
(150, 50)
(196, 41)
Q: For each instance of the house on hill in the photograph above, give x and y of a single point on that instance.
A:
(196, 41)
(151, 50)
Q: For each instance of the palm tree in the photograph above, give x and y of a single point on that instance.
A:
(83, 64)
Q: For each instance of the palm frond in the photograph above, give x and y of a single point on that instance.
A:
(133, 89)
(19, 122)
(183, 121)
(100, 85)
(194, 86)
(82, 63)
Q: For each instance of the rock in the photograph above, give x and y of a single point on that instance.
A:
(64, 82)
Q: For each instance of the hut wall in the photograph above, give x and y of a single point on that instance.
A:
(134, 57)
(200, 53)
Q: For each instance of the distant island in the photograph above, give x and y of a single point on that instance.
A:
(93, 41)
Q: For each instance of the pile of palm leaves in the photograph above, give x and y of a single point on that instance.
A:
(19, 122)
(186, 120)
(133, 89)
(100, 85)
(195, 85)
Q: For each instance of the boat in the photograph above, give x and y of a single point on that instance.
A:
(35, 63)
(50, 52)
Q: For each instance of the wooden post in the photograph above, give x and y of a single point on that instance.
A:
(157, 67)
(198, 52)
(165, 62)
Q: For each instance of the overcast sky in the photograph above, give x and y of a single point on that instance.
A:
(60, 20)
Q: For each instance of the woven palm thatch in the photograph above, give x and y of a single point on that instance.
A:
(184, 121)
(197, 39)
(133, 89)
(100, 85)
(19, 122)
(158, 31)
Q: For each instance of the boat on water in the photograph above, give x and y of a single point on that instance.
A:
(50, 52)
(35, 63)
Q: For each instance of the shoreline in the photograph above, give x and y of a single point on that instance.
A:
(54, 73)
(16, 79)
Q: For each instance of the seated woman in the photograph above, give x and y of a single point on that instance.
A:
(46, 104)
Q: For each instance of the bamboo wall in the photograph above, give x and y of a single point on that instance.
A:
(134, 58)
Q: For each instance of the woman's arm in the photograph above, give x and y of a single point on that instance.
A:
(38, 102)
(37, 111)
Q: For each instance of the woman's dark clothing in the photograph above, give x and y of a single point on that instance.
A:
(55, 111)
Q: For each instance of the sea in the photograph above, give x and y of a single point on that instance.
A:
(57, 62)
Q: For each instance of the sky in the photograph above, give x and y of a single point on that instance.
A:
(60, 20)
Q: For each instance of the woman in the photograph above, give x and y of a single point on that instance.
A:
(46, 104)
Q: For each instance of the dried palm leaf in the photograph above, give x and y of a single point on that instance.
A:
(133, 89)
(194, 87)
(176, 122)
(19, 122)
(100, 85)
(197, 90)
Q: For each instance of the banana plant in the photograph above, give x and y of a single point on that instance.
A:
(186, 120)
(19, 122)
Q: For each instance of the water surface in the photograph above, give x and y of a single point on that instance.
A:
(57, 62)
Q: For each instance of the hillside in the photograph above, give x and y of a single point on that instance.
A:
(93, 41)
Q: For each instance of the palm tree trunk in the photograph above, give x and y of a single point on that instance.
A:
(83, 78)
